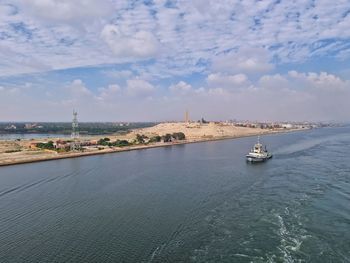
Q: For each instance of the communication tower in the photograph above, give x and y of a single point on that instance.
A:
(75, 145)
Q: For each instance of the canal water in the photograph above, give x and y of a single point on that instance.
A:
(187, 203)
(28, 136)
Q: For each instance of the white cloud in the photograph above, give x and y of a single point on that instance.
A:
(181, 88)
(110, 92)
(66, 10)
(217, 91)
(113, 88)
(6, 10)
(276, 82)
(236, 36)
(141, 44)
(139, 88)
(234, 48)
(246, 60)
(291, 96)
(323, 80)
(219, 80)
(78, 88)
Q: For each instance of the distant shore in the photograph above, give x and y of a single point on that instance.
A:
(67, 155)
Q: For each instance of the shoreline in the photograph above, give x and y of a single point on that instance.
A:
(134, 148)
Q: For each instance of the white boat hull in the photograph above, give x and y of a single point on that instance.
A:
(255, 158)
(258, 153)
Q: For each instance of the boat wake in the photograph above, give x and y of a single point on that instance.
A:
(291, 238)
(309, 144)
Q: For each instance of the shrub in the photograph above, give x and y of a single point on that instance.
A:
(179, 136)
(155, 139)
(167, 137)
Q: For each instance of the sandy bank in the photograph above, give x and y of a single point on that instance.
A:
(195, 137)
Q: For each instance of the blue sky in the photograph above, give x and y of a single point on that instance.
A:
(116, 60)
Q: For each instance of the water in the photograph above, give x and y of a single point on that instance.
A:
(28, 136)
(190, 203)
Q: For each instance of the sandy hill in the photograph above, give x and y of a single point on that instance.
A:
(199, 131)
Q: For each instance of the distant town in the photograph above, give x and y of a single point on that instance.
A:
(88, 128)
(97, 128)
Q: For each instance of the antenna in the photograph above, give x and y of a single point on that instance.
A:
(75, 145)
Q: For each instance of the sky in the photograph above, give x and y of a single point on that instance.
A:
(116, 60)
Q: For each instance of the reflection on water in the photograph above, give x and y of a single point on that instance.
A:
(190, 203)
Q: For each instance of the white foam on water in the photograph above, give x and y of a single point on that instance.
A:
(241, 255)
(156, 252)
(291, 237)
(309, 143)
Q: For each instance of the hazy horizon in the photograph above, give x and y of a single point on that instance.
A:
(180, 120)
(149, 61)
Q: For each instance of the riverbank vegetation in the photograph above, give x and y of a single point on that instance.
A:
(142, 139)
(85, 128)
(47, 146)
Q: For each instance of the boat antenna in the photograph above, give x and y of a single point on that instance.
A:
(258, 138)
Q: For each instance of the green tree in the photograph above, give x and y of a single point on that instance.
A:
(102, 142)
(156, 138)
(122, 143)
(167, 137)
(49, 145)
(179, 136)
(140, 138)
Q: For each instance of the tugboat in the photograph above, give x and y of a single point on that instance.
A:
(258, 153)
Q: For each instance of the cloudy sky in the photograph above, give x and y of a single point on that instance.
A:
(116, 60)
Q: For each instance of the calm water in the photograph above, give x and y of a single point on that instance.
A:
(22, 136)
(190, 203)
